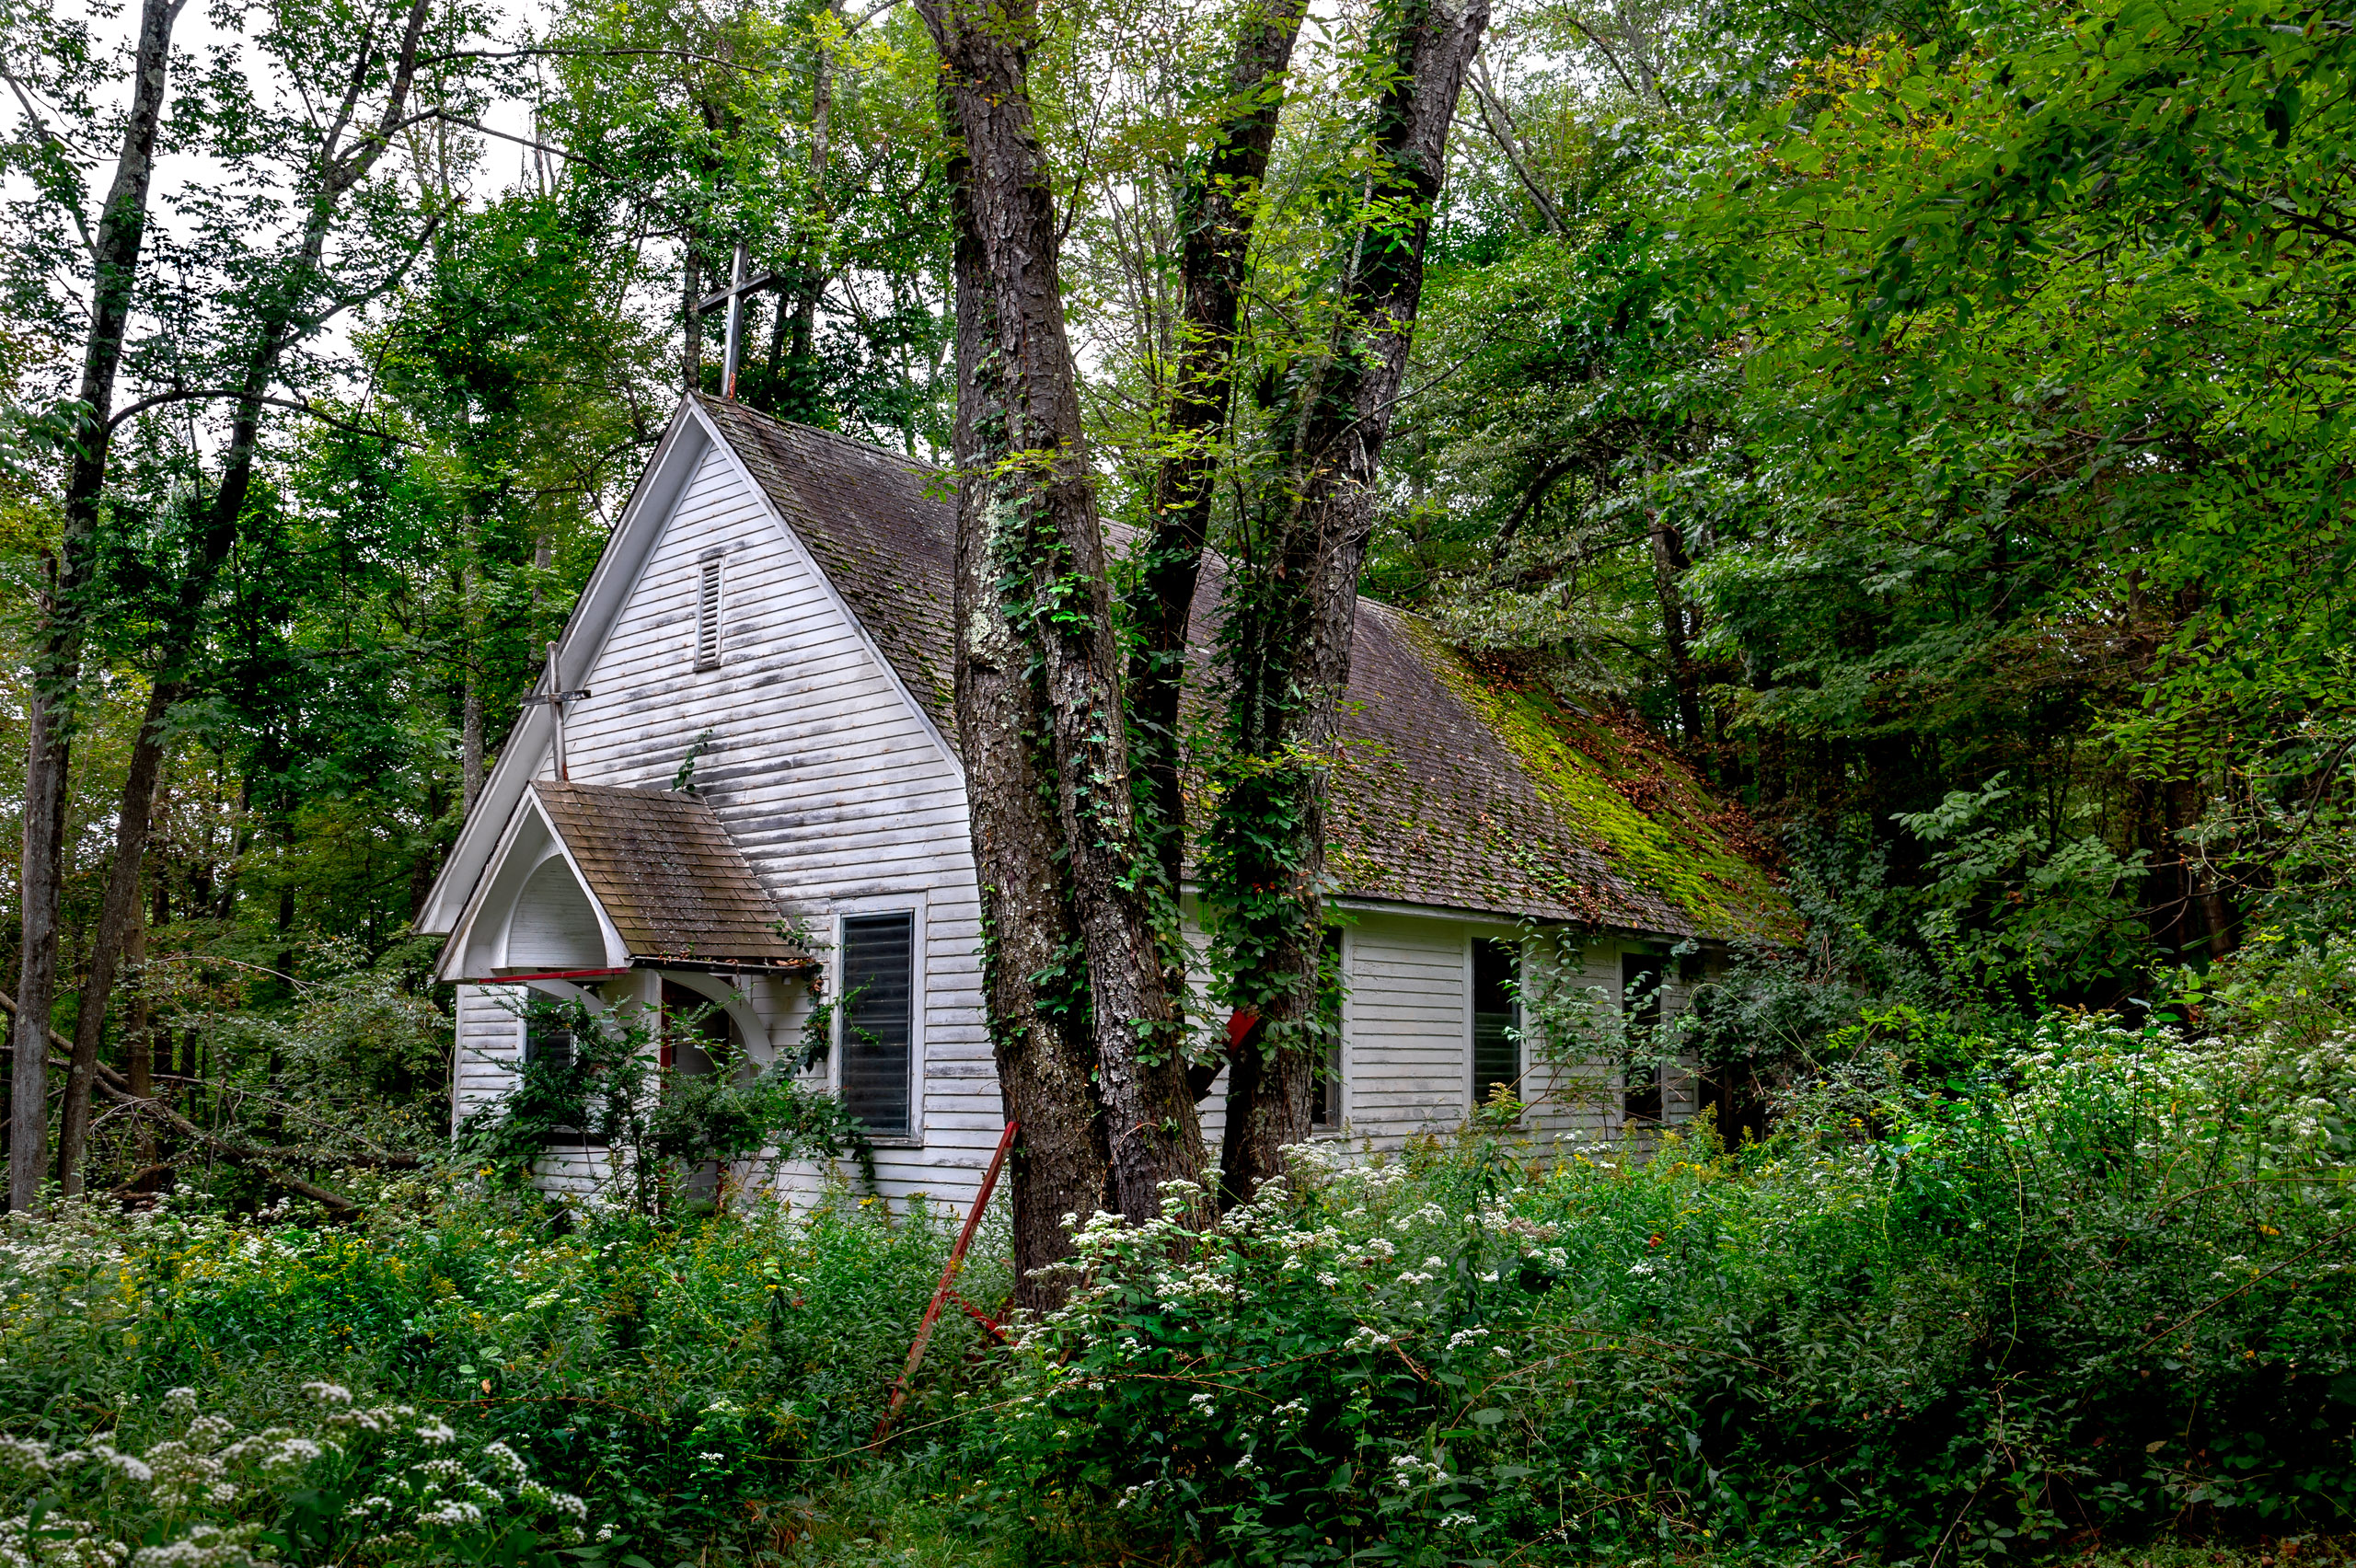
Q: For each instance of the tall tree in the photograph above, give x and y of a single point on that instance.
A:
(293, 298)
(1039, 690)
(1292, 607)
(1217, 205)
(57, 645)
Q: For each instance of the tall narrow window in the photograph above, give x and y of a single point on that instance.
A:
(707, 615)
(1496, 1019)
(1326, 1099)
(878, 1019)
(1640, 978)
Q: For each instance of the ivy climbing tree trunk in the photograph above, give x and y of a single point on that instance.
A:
(1216, 208)
(1046, 1057)
(1039, 698)
(57, 650)
(1286, 643)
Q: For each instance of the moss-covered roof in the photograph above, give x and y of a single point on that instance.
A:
(1460, 789)
(1453, 789)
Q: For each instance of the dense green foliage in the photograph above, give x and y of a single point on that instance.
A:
(683, 1384)
(663, 1135)
(1978, 1296)
(1927, 419)
(1975, 1298)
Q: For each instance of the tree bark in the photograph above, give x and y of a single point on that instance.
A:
(1046, 1057)
(1037, 609)
(1216, 212)
(471, 738)
(1291, 618)
(121, 232)
(139, 1041)
(691, 340)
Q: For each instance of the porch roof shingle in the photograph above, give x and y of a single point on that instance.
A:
(668, 876)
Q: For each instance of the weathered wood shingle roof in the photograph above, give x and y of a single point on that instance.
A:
(1452, 791)
(668, 876)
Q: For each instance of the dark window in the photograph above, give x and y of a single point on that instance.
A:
(695, 1030)
(1496, 1019)
(1326, 1099)
(1640, 976)
(878, 1019)
(707, 615)
(546, 1042)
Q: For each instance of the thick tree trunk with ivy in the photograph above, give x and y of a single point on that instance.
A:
(1286, 643)
(1046, 1057)
(1074, 943)
(1216, 212)
(57, 650)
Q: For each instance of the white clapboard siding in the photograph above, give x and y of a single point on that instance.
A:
(489, 1048)
(1406, 1067)
(827, 777)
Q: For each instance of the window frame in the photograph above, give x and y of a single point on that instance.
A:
(1331, 1094)
(711, 598)
(1476, 1092)
(914, 909)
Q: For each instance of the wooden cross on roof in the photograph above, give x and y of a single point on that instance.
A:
(554, 699)
(740, 288)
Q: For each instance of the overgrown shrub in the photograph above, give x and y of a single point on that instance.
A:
(2094, 1284)
(652, 1127)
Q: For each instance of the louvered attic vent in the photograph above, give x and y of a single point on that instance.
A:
(707, 615)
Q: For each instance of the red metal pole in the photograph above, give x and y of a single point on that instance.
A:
(948, 1278)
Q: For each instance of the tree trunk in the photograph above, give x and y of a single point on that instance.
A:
(1036, 609)
(691, 340)
(123, 230)
(1291, 618)
(118, 912)
(470, 741)
(139, 1041)
(1670, 566)
(1216, 212)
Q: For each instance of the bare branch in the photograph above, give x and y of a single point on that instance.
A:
(202, 393)
(41, 129)
(1500, 127)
